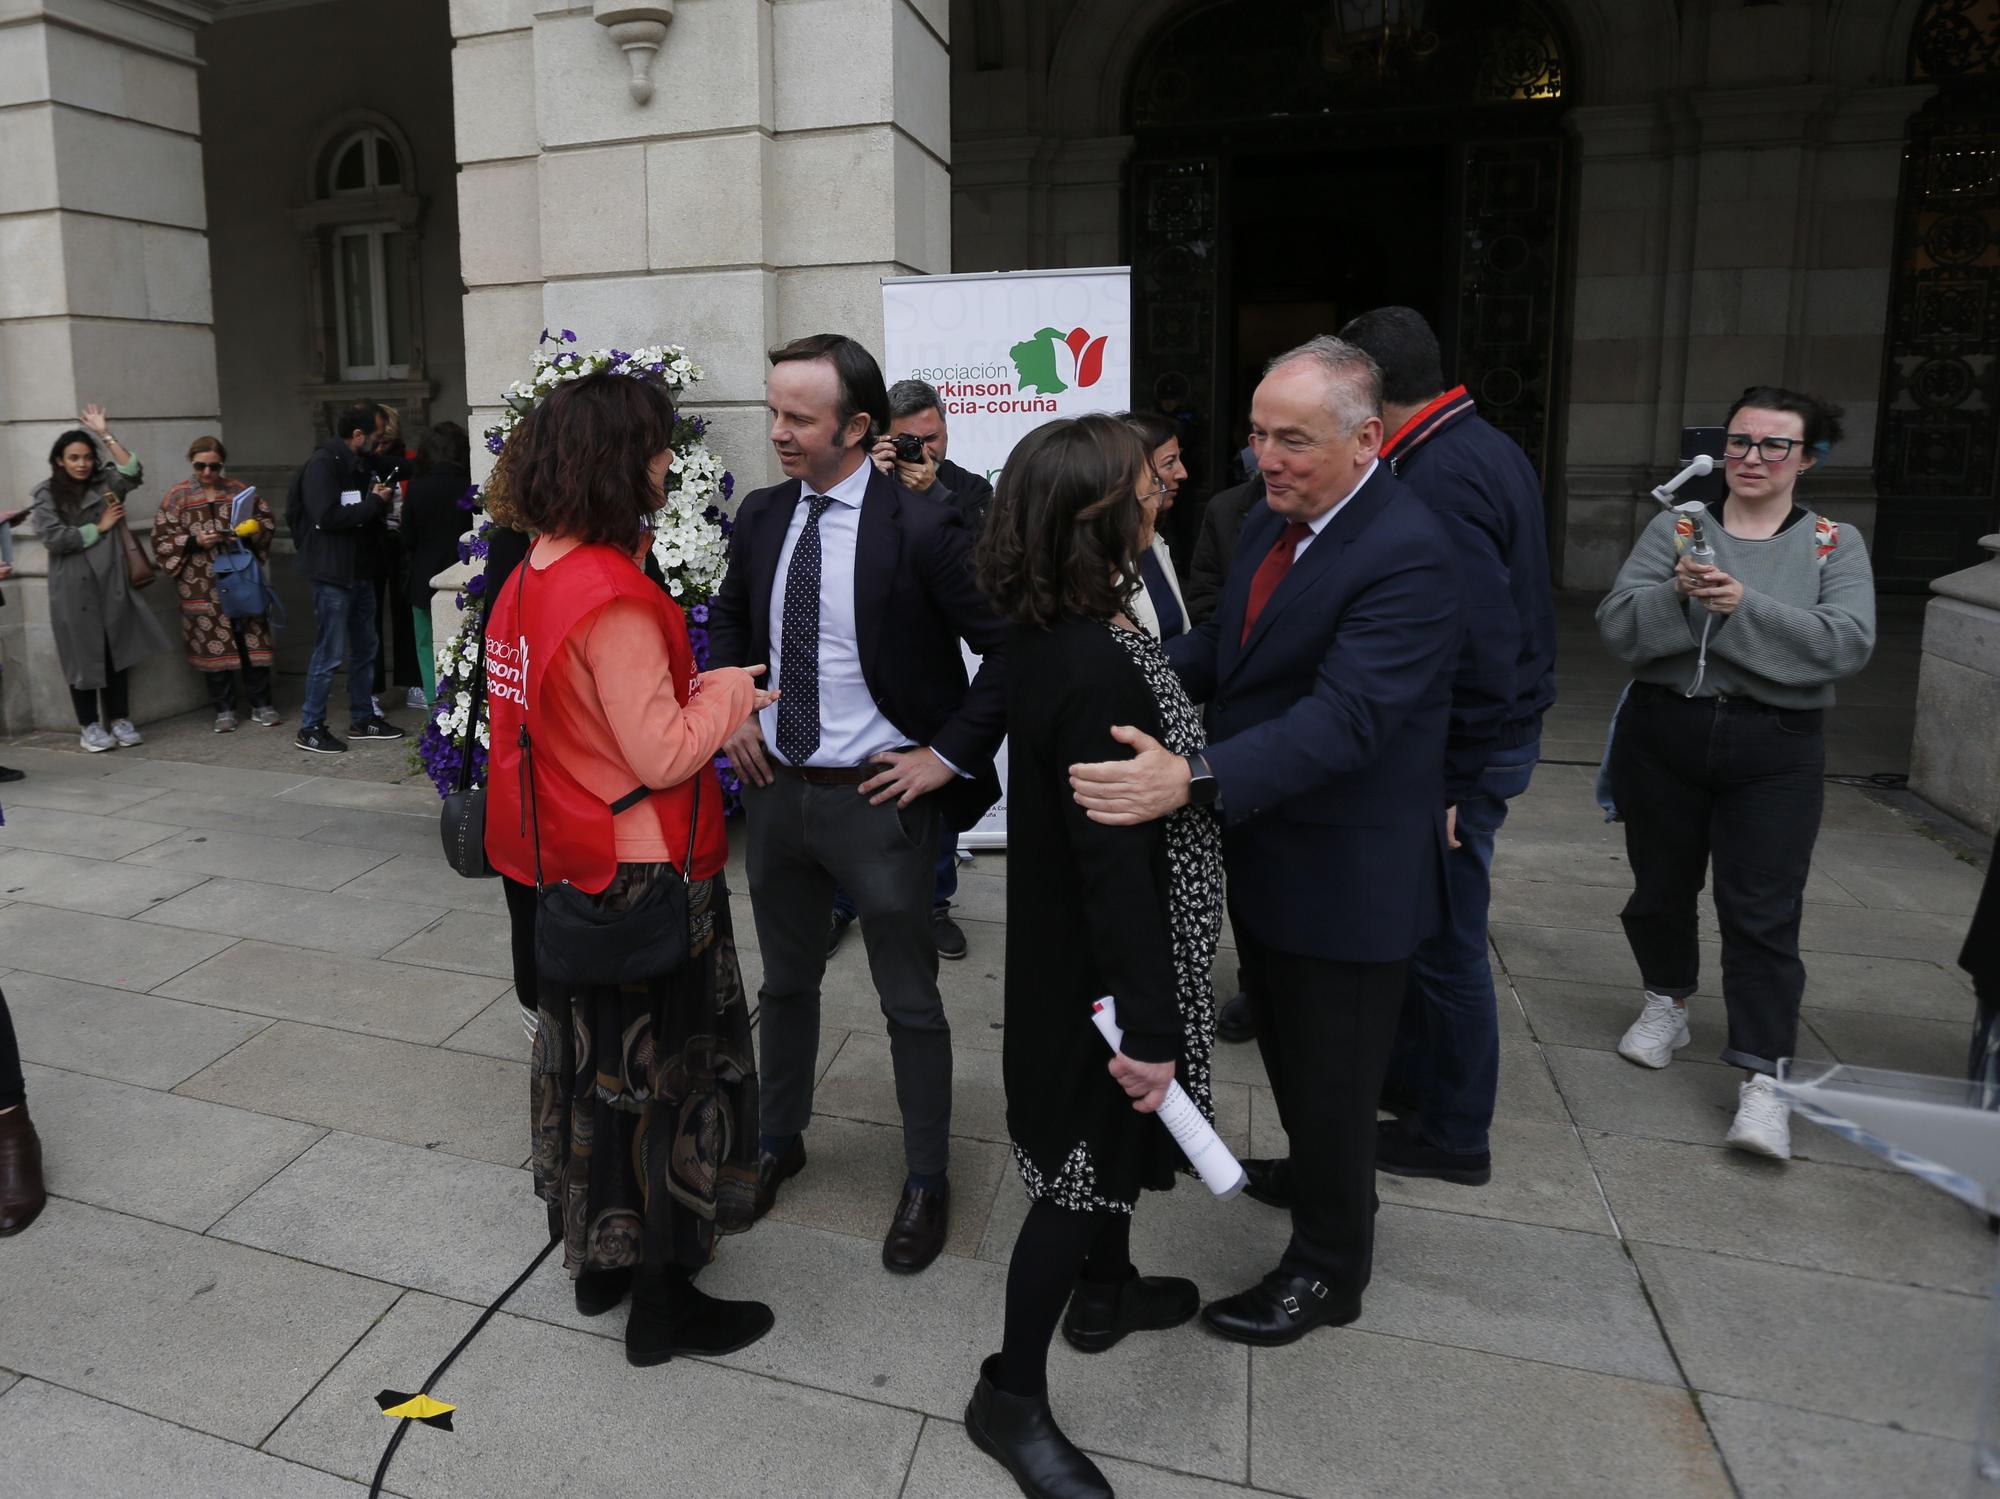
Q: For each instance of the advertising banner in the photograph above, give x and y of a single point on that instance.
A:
(1008, 351)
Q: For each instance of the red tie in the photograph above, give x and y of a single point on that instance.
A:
(1271, 572)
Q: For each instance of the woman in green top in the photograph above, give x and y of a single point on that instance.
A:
(1718, 756)
(101, 626)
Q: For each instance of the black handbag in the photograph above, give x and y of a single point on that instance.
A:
(591, 941)
(462, 822)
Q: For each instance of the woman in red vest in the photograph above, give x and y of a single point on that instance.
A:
(644, 1096)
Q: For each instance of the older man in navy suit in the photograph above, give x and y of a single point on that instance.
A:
(1327, 673)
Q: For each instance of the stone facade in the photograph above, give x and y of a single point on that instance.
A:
(1955, 759)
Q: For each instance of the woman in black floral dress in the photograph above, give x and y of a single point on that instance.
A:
(1132, 912)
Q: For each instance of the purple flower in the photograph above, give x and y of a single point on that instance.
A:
(728, 484)
(568, 337)
(699, 614)
(470, 499)
(476, 584)
(495, 442)
(543, 339)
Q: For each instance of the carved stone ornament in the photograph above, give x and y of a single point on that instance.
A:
(639, 30)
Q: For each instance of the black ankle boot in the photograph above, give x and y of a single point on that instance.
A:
(670, 1316)
(1019, 1433)
(598, 1291)
(1100, 1314)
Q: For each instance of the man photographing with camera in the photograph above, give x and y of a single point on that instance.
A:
(912, 453)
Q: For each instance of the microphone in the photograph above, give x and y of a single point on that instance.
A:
(1698, 466)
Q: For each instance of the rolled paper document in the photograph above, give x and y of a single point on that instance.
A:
(1219, 1171)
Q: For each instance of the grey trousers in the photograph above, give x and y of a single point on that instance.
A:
(802, 841)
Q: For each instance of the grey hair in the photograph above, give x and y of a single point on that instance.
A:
(908, 397)
(1354, 379)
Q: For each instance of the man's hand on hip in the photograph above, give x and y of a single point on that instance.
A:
(745, 749)
(1142, 789)
(907, 775)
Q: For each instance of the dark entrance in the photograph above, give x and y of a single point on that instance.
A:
(1299, 162)
(1938, 450)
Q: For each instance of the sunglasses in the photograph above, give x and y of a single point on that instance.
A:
(208, 468)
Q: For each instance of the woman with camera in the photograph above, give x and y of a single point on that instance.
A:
(102, 629)
(1718, 755)
(601, 794)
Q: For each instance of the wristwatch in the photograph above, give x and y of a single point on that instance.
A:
(1202, 788)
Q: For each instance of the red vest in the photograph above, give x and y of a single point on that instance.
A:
(525, 630)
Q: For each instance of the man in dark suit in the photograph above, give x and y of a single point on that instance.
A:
(857, 593)
(1327, 674)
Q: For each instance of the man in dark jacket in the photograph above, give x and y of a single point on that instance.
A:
(1446, 1067)
(1221, 519)
(340, 537)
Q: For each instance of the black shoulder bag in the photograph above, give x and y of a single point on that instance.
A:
(462, 823)
(624, 936)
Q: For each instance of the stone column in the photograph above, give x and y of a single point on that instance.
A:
(792, 153)
(1955, 757)
(104, 295)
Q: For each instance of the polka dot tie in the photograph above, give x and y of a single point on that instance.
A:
(798, 649)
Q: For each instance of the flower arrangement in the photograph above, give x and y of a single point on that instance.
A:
(690, 540)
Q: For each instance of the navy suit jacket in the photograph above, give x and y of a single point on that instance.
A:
(1327, 728)
(914, 599)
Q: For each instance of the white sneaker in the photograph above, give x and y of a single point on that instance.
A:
(1763, 1124)
(415, 698)
(97, 739)
(1659, 1032)
(124, 733)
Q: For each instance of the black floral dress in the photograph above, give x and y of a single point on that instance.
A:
(1093, 910)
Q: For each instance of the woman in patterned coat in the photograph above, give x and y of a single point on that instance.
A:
(1093, 910)
(196, 518)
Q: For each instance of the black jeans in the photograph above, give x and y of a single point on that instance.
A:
(117, 696)
(222, 684)
(13, 1089)
(1326, 1030)
(1738, 785)
(521, 942)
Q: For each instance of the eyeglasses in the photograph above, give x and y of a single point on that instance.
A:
(208, 468)
(1770, 449)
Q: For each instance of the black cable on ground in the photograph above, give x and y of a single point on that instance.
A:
(396, 1437)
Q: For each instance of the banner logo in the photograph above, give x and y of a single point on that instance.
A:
(1036, 363)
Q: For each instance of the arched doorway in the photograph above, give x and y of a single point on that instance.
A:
(1298, 161)
(1938, 450)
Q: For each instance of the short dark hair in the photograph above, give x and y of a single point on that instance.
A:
(206, 444)
(360, 417)
(861, 388)
(908, 397)
(1062, 538)
(577, 464)
(1406, 347)
(1155, 429)
(445, 446)
(1821, 418)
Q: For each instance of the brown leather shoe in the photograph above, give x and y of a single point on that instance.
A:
(917, 1233)
(21, 1195)
(774, 1170)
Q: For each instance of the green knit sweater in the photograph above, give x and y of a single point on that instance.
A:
(1805, 622)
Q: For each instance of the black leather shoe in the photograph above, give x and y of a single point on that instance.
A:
(916, 1234)
(773, 1171)
(8, 773)
(670, 1316)
(21, 1194)
(1401, 1151)
(948, 934)
(836, 932)
(1281, 1308)
(1021, 1435)
(598, 1291)
(1099, 1315)
(1234, 1022)
(1269, 1180)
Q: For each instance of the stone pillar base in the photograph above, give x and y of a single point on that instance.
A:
(1955, 756)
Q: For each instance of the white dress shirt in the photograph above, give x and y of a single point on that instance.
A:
(1321, 524)
(851, 727)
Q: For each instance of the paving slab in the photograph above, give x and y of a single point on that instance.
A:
(1909, 847)
(78, 834)
(392, 832)
(1950, 892)
(155, 1155)
(1594, 1016)
(92, 885)
(132, 1038)
(331, 923)
(269, 816)
(1877, 1224)
(100, 949)
(1924, 935)
(94, 795)
(334, 989)
(367, 1085)
(70, 763)
(219, 780)
(260, 858)
(1890, 1355)
(1374, 1417)
(62, 1445)
(544, 1411)
(427, 880)
(196, 1331)
(1899, 1042)
(1593, 858)
(459, 941)
(948, 1466)
(495, 1031)
(412, 799)
(1777, 1453)
(399, 1213)
(916, 1341)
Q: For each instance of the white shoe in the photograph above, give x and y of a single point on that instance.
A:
(124, 733)
(97, 739)
(225, 722)
(1659, 1032)
(1763, 1124)
(415, 698)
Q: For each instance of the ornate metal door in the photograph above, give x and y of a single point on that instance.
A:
(1176, 281)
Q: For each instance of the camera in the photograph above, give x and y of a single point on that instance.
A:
(909, 447)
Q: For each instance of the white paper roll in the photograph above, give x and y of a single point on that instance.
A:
(1218, 1169)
